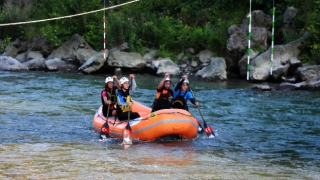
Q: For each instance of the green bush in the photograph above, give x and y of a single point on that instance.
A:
(5, 43)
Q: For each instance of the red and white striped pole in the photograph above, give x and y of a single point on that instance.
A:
(104, 31)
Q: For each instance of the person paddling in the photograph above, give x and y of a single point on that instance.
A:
(124, 101)
(181, 95)
(164, 92)
(108, 96)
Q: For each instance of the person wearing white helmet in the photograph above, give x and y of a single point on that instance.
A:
(108, 96)
(162, 100)
(124, 101)
(181, 95)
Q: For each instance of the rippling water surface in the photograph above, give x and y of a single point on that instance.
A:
(46, 132)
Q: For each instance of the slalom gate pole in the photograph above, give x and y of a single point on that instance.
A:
(104, 30)
(249, 38)
(272, 38)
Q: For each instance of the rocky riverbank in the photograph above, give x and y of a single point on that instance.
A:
(77, 56)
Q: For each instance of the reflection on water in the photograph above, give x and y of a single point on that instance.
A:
(46, 133)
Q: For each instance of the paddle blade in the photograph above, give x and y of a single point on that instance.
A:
(104, 132)
(200, 128)
(209, 131)
(127, 135)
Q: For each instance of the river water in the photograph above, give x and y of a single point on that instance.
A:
(46, 132)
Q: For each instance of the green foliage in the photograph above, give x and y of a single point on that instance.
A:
(313, 28)
(289, 36)
(163, 52)
(5, 43)
(14, 11)
(257, 48)
(305, 58)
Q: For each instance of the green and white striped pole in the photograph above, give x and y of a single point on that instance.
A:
(249, 38)
(272, 38)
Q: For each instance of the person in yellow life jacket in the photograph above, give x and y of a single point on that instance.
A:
(124, 101)
(164, 93)
(108, 97)
(181, 95)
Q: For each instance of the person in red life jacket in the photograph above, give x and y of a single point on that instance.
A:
(181, 95)
(108, 97)
(164, 93)
(124, 101)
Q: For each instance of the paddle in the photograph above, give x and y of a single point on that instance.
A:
(127, 131)
(208, 129)
(104, 132)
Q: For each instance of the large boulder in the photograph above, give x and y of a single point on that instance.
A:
(36, 64)
(93, 64)
(165, 65)
(205, 56)
(151, 55)
(244, 61)
(215, 71)
(10, 64)
(133, 61)
(68, 50)
(84, 54)
(11, 50)
(40, 43)
(237, 42)
(311, 84)
(288, 16)
(260, 66)
(309, 72)
(54, 64)
(34, 54)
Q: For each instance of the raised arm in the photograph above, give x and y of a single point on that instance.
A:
(133, 85)
(178, 86)
(162, 81)
(116, 79)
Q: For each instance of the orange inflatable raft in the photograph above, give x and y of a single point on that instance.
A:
(151, 126)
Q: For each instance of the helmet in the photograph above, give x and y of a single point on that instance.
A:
(123, 80)
(167, 79)
(108, 79)
(185, 81)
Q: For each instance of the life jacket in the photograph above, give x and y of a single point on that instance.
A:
(127, 98)
(179, 102)
(162, 100)
(109, 97)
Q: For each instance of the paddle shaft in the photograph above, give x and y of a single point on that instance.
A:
(128, 125)
(106, 123)
(204, 122)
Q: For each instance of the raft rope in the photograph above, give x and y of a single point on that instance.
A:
(104, 30)
(146, 118)
(63, 17)
(272, 38)
(249, 38)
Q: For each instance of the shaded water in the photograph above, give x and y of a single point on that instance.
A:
(46, 132)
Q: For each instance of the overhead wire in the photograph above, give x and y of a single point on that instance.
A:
(69, 16)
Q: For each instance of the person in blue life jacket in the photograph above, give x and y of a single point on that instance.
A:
(108, 97)
(124, 101)
(181, 95)
(164, 93)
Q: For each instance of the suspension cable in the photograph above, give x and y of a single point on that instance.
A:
(63, 17)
